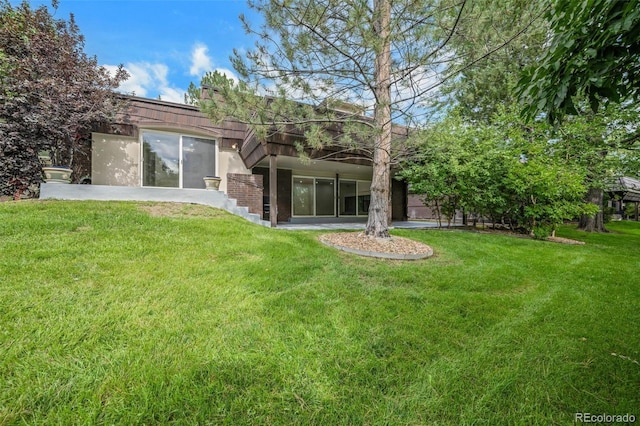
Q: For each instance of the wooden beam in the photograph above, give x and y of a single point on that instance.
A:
(273, 190)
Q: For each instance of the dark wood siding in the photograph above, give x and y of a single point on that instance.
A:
(142, 112)
(284, 195)
(398, 200)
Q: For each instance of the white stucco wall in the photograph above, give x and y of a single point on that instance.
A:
(229, 161)
(115, 160)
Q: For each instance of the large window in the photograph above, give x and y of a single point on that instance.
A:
(348, 198)
(325, 197)
(161, 159)
(313, 196)
(354, 198)
(198, 161)
(364, 197)
(176, 161)
(303, 196)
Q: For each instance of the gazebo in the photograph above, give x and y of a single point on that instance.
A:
(624, 190)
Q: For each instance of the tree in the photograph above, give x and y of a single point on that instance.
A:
(51, 92)
(593, 58)
(384, 56)
(480, 90)
(600, 142)
(594, 53)
(516, 174)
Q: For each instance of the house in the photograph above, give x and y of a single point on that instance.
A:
(624, 191)
(162, 144)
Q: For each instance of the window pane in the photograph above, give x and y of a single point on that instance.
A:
(364, 197)
(303, 196)
(198, 161)
(325, 197)
(347, 198)
(161, 154)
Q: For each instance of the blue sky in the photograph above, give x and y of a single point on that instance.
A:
(164, 45)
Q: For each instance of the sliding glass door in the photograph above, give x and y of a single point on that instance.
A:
(354, 198)
(176, 161)
(303, 196)
(198, 161)
(313, 196)
(161, 159)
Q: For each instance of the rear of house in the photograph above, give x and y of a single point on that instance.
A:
(162, 144)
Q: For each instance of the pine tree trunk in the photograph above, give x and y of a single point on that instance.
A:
(378, 221)
(593, 223)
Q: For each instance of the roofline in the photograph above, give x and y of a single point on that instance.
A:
(158, 102)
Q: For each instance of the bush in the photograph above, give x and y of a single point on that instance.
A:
(630, 211)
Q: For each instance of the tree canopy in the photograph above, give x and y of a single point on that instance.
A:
(489, 76)
(595, 145)
(594, 54)
(524, 176)
(50, 92)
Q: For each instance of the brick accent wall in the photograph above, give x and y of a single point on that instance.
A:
(284, 190)
(247, 190)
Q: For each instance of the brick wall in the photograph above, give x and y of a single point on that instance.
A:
(284, 190)
(247, 190)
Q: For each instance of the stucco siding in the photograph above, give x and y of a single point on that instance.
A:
(229, 161)
(115, 160)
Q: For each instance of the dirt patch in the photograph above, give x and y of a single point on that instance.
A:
(565, 241)
(360, 241)
(179, 210)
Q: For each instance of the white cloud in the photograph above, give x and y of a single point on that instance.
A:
(149, 80)
(228, 73)
(137, 82)
(201, 62)
(172, 95)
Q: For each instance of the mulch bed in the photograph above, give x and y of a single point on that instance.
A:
(360, 241)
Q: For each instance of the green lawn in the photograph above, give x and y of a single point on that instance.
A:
(110, 314)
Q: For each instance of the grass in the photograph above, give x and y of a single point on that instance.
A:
(125, 313)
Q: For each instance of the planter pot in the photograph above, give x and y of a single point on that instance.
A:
(57, 174)
(212, 182)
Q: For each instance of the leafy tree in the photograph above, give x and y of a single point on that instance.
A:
(514, 174)
(385, 57)
(457, 167)
(594, 53)
(50, 93)
(593, 59)
(482, 89)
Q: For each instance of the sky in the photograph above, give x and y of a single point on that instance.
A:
(164, 45)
